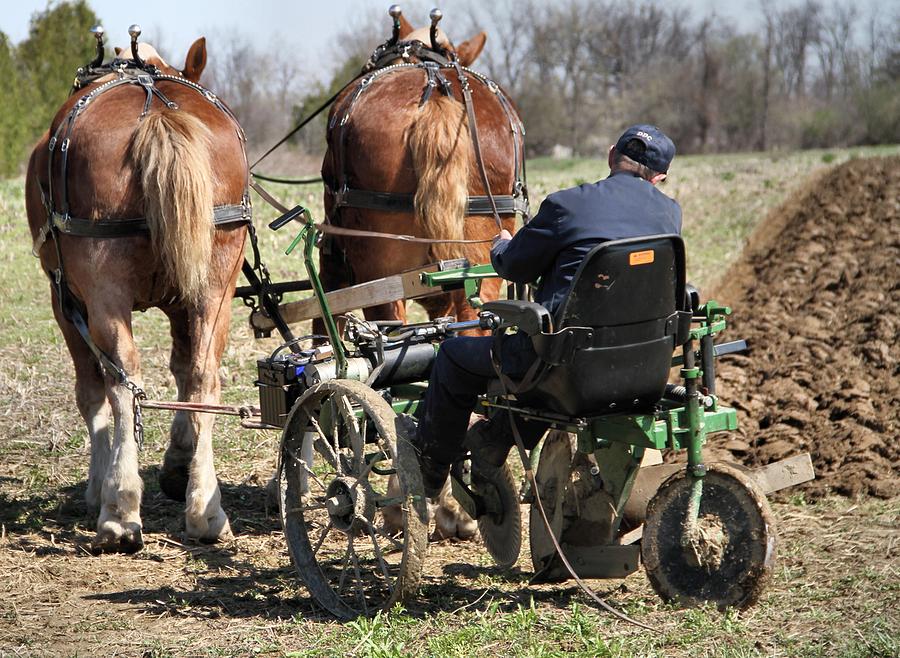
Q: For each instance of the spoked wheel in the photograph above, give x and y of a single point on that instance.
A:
(728, 559)
(341, 444)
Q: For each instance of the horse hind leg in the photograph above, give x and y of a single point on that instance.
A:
(93, 405)
(175, 471)
(198, 340)
(119, 527)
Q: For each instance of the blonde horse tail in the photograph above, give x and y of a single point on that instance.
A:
(172, 151)
(441, 151)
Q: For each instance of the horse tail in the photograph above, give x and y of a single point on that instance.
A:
(441, 149)
(172, 152)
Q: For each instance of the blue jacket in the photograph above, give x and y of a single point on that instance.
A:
(571, 222)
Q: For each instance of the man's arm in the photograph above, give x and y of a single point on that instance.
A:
(533, 249)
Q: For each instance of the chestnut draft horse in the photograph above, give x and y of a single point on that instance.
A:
(161, 148)
(403, 129)
(388, 134)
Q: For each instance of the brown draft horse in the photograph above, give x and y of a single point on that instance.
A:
(171, 166)
(391, 142)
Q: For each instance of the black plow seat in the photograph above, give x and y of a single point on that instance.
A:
(611, 343)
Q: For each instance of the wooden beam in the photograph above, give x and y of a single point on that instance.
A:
(406, 285)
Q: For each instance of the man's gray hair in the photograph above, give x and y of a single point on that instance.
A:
(623, 162)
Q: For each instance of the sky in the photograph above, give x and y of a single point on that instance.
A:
(308, 26)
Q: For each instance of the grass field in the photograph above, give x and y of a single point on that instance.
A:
(836, 591)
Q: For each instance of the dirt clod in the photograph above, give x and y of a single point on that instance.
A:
(817, 296)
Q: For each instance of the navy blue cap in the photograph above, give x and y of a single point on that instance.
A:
(659, 149)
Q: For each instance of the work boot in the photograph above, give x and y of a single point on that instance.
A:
(489, 446)
(434, 473)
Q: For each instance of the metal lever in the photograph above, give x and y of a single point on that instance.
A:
(732, 347)
(288, 217)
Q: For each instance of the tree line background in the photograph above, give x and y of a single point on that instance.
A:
(807, 73)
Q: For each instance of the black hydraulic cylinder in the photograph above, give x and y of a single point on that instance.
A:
(406, 362)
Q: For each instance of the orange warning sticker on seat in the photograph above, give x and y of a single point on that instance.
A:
(640, 257)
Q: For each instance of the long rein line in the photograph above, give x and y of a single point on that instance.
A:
(340, 230)
(299, 126)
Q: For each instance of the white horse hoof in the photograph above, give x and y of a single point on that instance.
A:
(113, 537)
(213, 529)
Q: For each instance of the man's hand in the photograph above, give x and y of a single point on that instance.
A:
(503, 235)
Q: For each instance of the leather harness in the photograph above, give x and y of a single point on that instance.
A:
(126, 72)
(434, 65)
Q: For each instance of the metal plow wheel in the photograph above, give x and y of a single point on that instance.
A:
(729, 556)
(341, 444)
(582, 517)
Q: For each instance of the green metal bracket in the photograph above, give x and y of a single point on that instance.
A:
(669, 431)
(714, 319)
(455, 278)
(310, 234)
(473, 292)
(469, 277)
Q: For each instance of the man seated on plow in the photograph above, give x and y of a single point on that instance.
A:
(550, 248)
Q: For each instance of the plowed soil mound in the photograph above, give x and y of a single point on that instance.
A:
(817, 296)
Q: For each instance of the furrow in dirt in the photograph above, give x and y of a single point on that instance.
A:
(816, 295)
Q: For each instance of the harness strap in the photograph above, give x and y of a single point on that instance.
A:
(506, 204)
(340, 230)
(120, 228)
(405, 50)
(473, 129)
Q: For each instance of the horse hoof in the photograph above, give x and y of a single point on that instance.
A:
(173, 482)
(217, 530)
(450, 519)
(130, 541)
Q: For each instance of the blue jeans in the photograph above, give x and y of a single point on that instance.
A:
(460, 374)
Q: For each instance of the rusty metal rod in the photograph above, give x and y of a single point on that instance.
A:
(199, 407)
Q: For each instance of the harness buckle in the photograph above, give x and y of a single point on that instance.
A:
(40, 240)
(52, 143)
(339, 196)
(64, 146)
